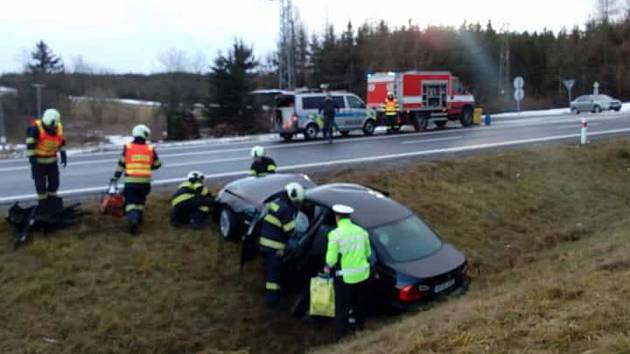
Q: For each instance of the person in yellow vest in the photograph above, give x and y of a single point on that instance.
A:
(348, 258)
(391, 109)
(44, 140)
(191, 202)
(137, 162)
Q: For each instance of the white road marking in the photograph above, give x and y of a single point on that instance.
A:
(342, 161)
(432, 140)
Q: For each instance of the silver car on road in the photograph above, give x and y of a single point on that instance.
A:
(595, 104)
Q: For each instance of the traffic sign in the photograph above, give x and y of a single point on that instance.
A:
(568, 84)
(519, 82)
(519, 94)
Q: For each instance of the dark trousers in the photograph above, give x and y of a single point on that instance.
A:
(349, 297)
(46, 178)
(273, 277)
(329, 123)
(195, 210)
(135, 198)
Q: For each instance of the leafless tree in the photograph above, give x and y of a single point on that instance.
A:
(174, 60)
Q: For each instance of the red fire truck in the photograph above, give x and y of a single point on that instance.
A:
(423, 96)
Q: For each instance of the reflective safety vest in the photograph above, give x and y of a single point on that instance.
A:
(278, 225)
(352, 243)
(138, 160)
(391, 106)
(187, 191)
(47, 145)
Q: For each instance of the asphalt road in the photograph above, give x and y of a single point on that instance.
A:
(90, 172)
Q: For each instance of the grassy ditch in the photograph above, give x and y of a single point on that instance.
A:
(545, 230)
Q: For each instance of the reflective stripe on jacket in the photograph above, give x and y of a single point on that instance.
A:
(263, 167)
(47, 146)
(138, 161)
(391, 106)
(278, 225)
(187, 191)
(352, 243)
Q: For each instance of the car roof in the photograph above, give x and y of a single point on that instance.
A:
(257, 189)
(371, 208)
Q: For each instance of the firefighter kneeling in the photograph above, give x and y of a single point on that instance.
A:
(191, 202)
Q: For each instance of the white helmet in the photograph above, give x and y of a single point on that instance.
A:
(295, 191)
(258, 151)
(141, 131)
(390, 94)
(51, 117)
(195, 176)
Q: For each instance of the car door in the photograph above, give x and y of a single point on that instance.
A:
(343, 116)
(358, 112)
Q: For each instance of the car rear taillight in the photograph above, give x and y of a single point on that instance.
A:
(411, 293)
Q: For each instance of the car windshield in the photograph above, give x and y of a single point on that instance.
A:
(407, 239)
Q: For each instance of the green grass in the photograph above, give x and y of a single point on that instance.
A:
(545, 229)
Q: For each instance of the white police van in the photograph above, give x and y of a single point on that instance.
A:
(297, 113)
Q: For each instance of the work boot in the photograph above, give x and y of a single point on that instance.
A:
(133, 227)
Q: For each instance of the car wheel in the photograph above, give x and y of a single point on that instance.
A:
(311, 131)
(286, 136)
(441, 123)
(345, 132)
(420, 124)
(228, 224)
(466, 118)
(597, 109)
(368, 127)
(617, 109)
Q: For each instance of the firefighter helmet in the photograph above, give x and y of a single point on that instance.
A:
(390, 94)
(195, 176)
(51, 117)
(141, 131)
(295, 191)
(258, 151)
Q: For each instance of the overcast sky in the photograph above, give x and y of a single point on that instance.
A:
(128, 36)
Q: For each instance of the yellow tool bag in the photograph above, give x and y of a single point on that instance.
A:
(322, 297)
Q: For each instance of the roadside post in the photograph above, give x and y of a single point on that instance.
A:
(584, 131)
(3, 135)
(596, 88)
(519, 93)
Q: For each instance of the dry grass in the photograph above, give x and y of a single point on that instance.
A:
(545, 229)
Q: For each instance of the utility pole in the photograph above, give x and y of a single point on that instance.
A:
(38, 88)
(504, 59)
(286, 52)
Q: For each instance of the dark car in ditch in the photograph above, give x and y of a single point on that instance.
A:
(412, 263)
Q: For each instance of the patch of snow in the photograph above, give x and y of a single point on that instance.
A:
(118, 100)
(545, 112)
(4, 90)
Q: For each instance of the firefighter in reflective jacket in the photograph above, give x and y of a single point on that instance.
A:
(191, 202)
(391, 109)
(262, 164)
(278, 226)
(137, 161)
(44, 140)
(347, 255)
